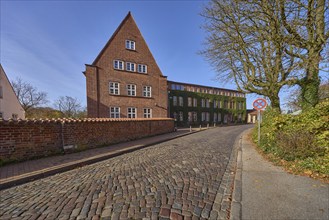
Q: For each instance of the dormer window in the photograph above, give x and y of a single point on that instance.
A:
(130, 45)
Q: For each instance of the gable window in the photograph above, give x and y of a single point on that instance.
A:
(1, 93)
(147, 113)
(114, 112)
(147, 91)
(1, 115)
(142, 68)
(14, 116)
(131, 90)
(118, 64)
(114, 88)
(131, 112)
(131, 67)
(130, 45)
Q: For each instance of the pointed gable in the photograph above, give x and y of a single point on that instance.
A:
(115, 48)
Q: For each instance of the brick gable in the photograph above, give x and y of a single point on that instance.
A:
(101, 72)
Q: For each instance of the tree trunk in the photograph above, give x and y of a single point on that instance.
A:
(310, 83)
(275, 101)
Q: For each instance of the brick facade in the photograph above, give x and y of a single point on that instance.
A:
(102, 72)
(26, 139)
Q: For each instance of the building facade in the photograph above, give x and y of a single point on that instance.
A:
(125, 81)
(192, 104)
(10, 107)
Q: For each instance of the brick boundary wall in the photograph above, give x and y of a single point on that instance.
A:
(27, 139)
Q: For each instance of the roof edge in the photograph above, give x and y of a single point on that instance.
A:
(112, 37)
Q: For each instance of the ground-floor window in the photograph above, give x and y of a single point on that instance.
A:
(195, 116)
(181, 118)
(147, 113)
(114, 112)
(132, 112)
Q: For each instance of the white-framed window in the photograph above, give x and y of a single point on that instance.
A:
(203, 103)
(207, 103)
(203, 116)
(175, 115)
(195, 116)
(207, 116)
(189, 102)
(147, 91)
(174, 100)
(130, 45)
(114, 88)
(181, 118)
(130, 67)
(132, 112)
(180, 101)
(131, 90)
(147, 113)
(190, 116)
(118, 64)
(114, 112)
(195, 102)
(142, 68)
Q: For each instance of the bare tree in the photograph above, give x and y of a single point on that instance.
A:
(306, 25)
(69, 106)
(28, 95)
(245, 44)
(249, 43)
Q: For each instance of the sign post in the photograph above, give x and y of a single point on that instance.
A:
(259, 104)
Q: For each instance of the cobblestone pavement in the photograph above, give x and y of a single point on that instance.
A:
(177, 179)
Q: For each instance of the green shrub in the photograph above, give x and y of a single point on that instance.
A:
(300, 137)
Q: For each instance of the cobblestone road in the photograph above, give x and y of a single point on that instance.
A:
(177, 179)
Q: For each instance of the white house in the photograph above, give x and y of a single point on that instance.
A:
(10, 107)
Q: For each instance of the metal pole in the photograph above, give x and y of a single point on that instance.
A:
(258, 126)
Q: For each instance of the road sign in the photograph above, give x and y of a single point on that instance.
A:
(259, 104)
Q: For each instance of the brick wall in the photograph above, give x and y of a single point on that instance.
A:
(26, 139)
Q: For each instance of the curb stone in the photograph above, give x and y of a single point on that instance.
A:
(236, 207)
(225, 204)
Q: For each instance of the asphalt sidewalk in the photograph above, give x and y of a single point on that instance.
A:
(19, 173)
(265, 191)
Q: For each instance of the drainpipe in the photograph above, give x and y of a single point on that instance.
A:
(98, 92)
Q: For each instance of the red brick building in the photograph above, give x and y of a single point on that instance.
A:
(125, 80)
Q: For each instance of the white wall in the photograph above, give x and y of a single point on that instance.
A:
(9, 103)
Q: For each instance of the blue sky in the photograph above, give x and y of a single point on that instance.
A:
(47, 43)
